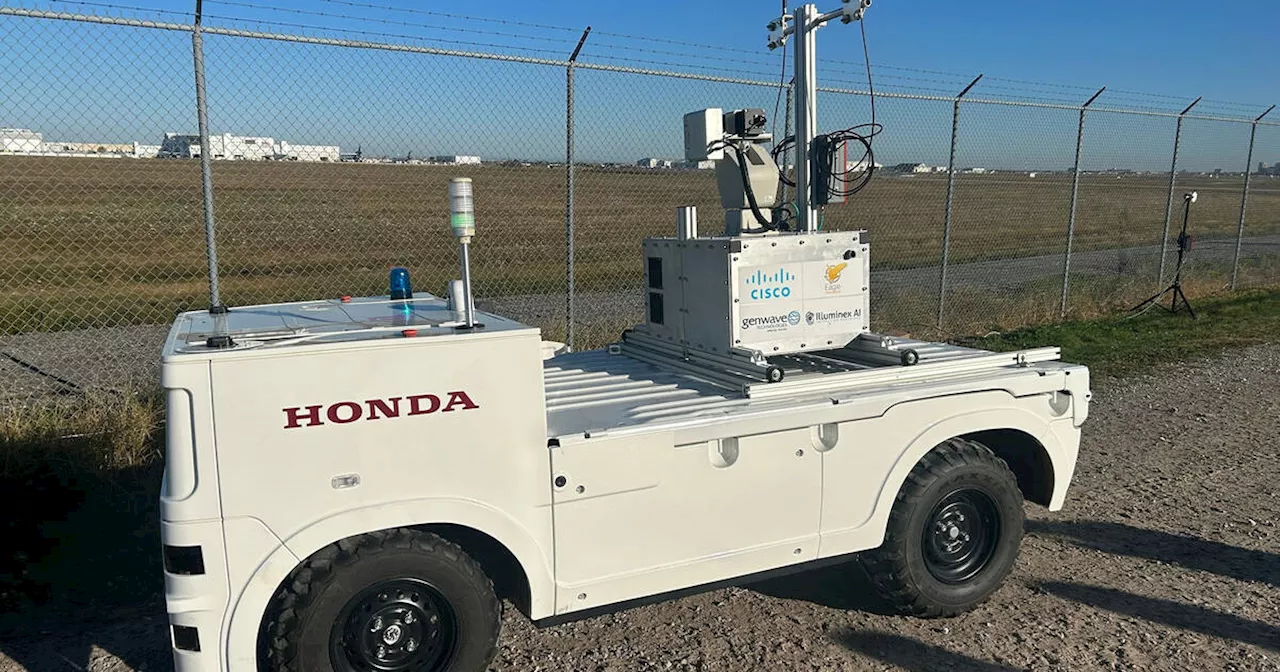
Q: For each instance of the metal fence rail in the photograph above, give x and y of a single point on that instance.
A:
(100, 244)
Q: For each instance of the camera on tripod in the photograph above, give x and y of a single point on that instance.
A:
(1184, 246)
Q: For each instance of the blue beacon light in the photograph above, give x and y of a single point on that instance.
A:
(401, 289)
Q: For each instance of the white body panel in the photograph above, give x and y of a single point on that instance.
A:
(669, 481)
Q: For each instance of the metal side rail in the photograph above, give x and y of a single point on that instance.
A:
(968, 361)
(868, 360)
(739, 363)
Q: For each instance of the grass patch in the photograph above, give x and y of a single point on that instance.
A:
(97, 434)
(79, 484)
(1118, 345)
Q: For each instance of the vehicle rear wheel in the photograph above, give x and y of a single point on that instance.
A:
(390, 601)
(953, 533)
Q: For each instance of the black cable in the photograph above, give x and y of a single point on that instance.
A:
(782, 78)
(778, 149)
(765, 224)
(871, 89)
(853, 181)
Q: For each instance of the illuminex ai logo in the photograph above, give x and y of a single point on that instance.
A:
(772, 322)
(770, 286)
(831, 316)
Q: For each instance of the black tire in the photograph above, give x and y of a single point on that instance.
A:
(431, 604)
(953, 534)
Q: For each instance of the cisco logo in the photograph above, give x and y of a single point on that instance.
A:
(770, 285)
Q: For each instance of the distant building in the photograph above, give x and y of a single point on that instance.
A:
(81, 148)
(975, 171)
(228, 146)
(20, 141)
(224, 146)
(911, 168)
(141, 151)
(860, 165)
(287, 151)
(939, 169)
(654, 163)
(456, 160)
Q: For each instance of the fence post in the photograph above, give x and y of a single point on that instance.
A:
(951, 183)
(1075, 190)
(1244, 196)
(570, 289)
(1173, 179)
(206, 166)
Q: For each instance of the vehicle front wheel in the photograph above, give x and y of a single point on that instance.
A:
(953, 533)
(391, 601)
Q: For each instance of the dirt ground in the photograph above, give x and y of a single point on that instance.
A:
(1166, 557)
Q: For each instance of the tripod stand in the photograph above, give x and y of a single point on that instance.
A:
(1184, 245)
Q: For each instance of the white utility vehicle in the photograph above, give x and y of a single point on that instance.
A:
(354, 483)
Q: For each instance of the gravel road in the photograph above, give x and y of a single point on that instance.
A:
(1166, 557)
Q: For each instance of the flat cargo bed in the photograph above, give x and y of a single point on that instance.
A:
(606, 391)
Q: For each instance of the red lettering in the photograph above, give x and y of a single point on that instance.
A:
(294, 418)
(459, 398)
(415, 407)
(354, 412)
(389, 410)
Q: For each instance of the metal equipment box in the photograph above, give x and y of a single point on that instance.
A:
(772, 294)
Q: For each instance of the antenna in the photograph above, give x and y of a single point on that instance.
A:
(803, 24)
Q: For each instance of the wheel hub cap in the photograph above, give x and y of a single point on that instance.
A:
(961, 535)
(393, 626)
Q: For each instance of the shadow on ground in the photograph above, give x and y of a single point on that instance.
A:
(1174, 614)
(1189, 552)
(845, 587)
(80, 569)
(911, 654)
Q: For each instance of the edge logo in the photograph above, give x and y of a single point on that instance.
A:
(344, 412)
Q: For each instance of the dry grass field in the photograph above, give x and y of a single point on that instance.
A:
(99, 242)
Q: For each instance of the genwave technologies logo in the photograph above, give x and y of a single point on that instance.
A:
(772, 322)
(770, 285)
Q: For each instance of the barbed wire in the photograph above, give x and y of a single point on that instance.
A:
(742, 74)
(108, 5)
(426, 12)
(392, 22)
(1078, 87)
(617, 50)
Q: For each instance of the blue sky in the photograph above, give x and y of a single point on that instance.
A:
(86, 82)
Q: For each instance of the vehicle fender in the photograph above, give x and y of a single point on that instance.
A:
(1061, 456)
(257, 592)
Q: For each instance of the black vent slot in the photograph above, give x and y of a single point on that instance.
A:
(655, 308)
(655, 273)
(184, 560)
(186, 638)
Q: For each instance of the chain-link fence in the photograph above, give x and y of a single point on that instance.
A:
(333, 150)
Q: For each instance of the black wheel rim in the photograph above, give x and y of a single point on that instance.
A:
(394, 625)
(960, 535)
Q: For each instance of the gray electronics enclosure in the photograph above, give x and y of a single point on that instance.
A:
(773, 294)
